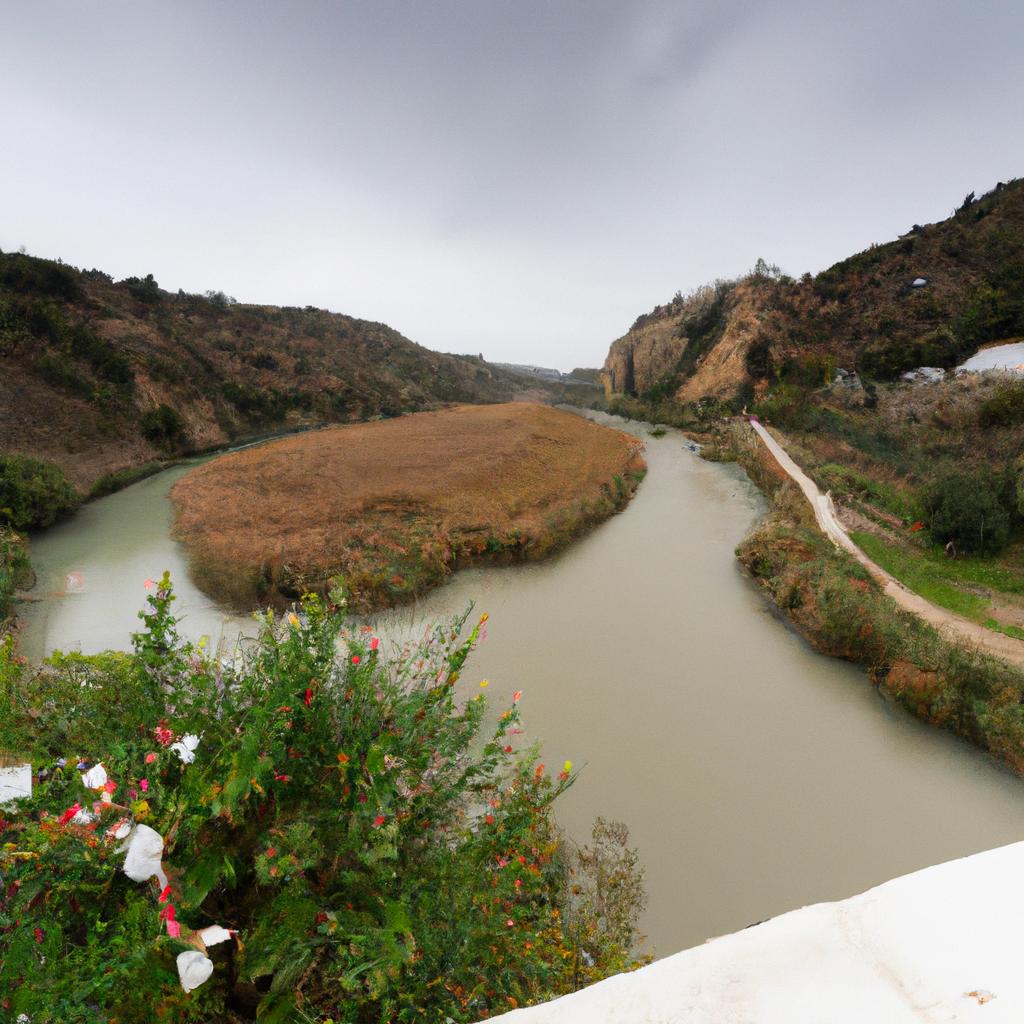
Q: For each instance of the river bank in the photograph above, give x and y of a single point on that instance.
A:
(836, 603)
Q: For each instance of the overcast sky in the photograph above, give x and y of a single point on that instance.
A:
(514, 178)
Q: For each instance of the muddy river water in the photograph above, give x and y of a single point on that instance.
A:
(755, 775)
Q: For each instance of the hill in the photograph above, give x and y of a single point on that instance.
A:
(99, 376)
(928, 298)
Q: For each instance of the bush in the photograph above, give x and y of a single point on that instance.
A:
(15, 569)
(163, 426)
(1005, 408)
(966, 508)
(377, 857)
(33, 494)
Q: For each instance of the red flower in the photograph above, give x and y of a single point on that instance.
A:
(374, 644)
(362, 798)
(538, 772)
(164, 736)
(489, 819)
(167, 914)
(356, 659)
(271, 851)
(282, 778)
(378, 821)
(309, 696)
(508, 749)
(165, 895)
(110, 786)
(517, 696)
(150, 758)
(70, 813)
(39, 935)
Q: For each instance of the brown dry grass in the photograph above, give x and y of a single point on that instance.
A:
(394, 505)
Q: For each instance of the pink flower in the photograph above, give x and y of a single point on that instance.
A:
(510, 923)
(150, 758)
(519, 883)
(163, 735)
(144, 785)
(147, 583)
(374, 644)
(356, 659)
(378, 821)
(517, 696)
(110, 786)
(174, 929)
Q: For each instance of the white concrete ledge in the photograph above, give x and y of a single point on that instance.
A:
(941, 945)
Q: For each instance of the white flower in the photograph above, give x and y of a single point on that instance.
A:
(83, 817)
(95, 777)
(185, 748)
(145, 849)
(193, 969)
(214, 934)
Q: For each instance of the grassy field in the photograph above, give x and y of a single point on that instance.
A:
(394, 505)
(949, 583)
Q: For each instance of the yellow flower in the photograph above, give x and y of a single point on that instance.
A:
(484, 682)
(568, 767)
(293, 619)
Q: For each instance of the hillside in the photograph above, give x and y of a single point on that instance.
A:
(734, 340)
(100, 376)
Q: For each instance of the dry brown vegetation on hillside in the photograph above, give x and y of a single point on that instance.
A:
(392, 506)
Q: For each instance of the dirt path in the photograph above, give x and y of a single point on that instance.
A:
(951, 625)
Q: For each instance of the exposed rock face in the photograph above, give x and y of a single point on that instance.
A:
(718, 322)
(721, 371)
(642, 357)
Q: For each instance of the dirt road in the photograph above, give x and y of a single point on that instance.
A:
(953, 626)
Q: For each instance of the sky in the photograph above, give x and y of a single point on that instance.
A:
(519, 179)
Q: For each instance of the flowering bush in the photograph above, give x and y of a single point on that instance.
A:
(312, 831)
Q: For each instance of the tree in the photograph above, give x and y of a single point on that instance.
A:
(966, 508)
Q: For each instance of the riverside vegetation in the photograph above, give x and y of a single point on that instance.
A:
(395, 506)
(377, 852)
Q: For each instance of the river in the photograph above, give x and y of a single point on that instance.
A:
(755, 775)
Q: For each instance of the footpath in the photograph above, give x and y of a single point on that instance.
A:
(949, 624)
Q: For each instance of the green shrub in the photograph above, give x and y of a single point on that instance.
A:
(33, 494)
(163, 426)
(379, 858)
(966, 508)
(15, 568)
(1003, 409)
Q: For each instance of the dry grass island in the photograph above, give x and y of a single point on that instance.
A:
(393, 506)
